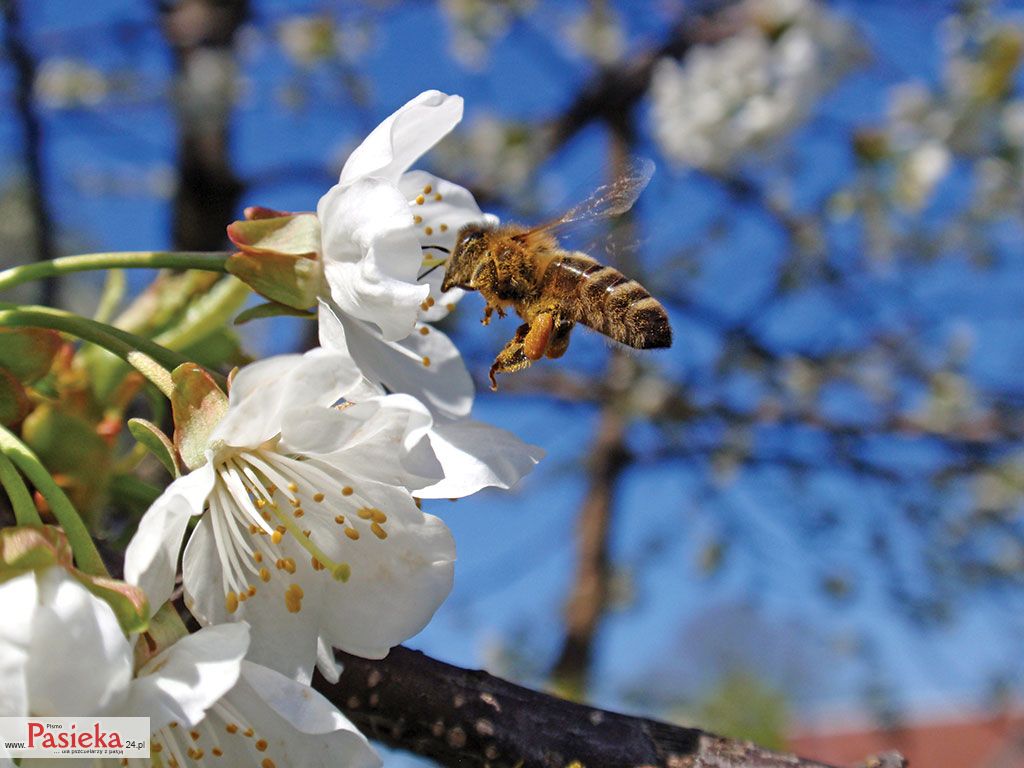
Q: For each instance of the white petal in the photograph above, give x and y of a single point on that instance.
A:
(80, 662)
(439, 222)
(298, 726)
(186, 679)
(383, 438)
(371, 255)
(263, 393)
(444, 385)
(396, 584)
(475, 455)
(402, 138)
(285, 641)
(151, 559)
(19, 599)
(326, 664)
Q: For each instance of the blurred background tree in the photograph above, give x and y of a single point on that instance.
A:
(832, 449)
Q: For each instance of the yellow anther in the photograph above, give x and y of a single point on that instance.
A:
(156, 746)
(420, 200)
(379, 532)
(450, 306)
(417, 219)
(318, 497)
(293, 487)
(316, 564)
(271, 489)
(365, 513)
(267, 763)
(299, 512)
(295, 502)
(289, 565)
(242, 597)
(430, 301)
(379, 516)
(261, 503)
(346, 491)
(231, 602)
(428, 189)
(257, 556)
(424, 331)
(307, 533)
(428, 230)
(217, 751)
(424, 306)
(195, 735)
(253, 528)
(352, 533)
(444, 227)
(339, 519)
(438, 197)
(276, 537)
(293, 599)
(426, 361)
(249, 732)
(173, 723)
(251, 590)
(261, 745)
(264, 574)
(342, 571)
(231, 728)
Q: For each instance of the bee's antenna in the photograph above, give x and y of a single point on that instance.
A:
(435, 247)
(439, 264)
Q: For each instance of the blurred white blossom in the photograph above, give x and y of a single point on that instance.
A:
(724, 100)
(68, 83)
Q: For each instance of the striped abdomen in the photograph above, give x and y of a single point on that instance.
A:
(608, 301)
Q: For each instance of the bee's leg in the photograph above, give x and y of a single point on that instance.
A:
(489, 310)
(539, 336)
(512, 357)
(560, 337)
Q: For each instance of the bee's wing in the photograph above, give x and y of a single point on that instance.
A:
(607, 200)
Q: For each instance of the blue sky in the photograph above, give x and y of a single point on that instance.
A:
(516, 549)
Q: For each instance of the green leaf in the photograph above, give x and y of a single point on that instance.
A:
(14, 402)
(28, 352)
(29, 548)
(278, 257)
(272, 309)
(198, 405)
(156, 442)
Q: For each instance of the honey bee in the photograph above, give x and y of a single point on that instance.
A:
(552, 289)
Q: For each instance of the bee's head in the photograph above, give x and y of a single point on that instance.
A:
(470, 244)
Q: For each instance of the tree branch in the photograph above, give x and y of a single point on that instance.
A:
(32, 153)
(468, 718)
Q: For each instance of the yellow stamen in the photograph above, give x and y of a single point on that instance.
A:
(352, 533)
(379, 532)
(231, 602)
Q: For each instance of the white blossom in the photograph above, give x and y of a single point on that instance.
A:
(724, 100)
(308, 529)
(385, 232)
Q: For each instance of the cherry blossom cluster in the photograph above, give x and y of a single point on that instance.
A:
(295, 510)
(724, 100)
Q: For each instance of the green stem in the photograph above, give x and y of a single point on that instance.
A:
(150, 359)
(86, 554)
(211, 311)
(212, 262)
(25, 512)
